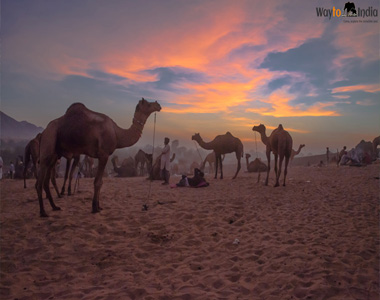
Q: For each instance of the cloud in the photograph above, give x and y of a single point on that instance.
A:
(370, 88)
(280, 105)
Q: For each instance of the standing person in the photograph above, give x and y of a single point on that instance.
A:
(327, 155)
(1, 167)
(12, 170)
(165, 161)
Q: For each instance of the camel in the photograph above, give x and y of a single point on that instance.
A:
(142, 158)
(294, 152)
(255, 166)
(155, 172)
(210, 159)
(280, 143)
(70, 167)
(127, 168)
(88, 166)
(32, 150)
(82, 131)
(222, 144)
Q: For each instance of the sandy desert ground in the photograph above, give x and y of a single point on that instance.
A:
(316, 238)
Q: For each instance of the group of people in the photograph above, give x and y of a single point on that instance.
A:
(11, 172)
(353, 157)
(197, 180)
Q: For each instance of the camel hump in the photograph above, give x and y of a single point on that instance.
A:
(76, 106)
(280, 127)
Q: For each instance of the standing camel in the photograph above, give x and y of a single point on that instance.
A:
(88, 166)
(280, 143)
(222, 144)
(294, 152)
(32, 150)
(210, 159)
(82, 131)
(142, 158)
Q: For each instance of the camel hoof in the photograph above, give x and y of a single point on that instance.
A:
(43, 215)
(56, 208)
(276, 185)
(95, 211)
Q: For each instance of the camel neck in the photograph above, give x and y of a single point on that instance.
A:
(264, 138)
(204, 145)
(129, 137)
(299, 150)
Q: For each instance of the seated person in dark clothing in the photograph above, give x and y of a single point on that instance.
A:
(197, 180)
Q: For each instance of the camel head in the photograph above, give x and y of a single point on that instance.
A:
(261, 128)
(302, 145)
(247, 155)
(144, 108)
(196, 137)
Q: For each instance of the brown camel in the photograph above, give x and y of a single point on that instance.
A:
(210, 159)
(71, 164)
(89, 166)
(141, 159)
(280, 143)
(222, 144)
(82, 131)
(155, 172)
(32, 150)
(255, 166)
(294, 152)
(127, 168)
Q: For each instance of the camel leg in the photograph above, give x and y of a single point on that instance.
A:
(75, 163)
(54, 182)
(275, 169)
(239, 165)
(268, 159)
(278, 173)
(216, 166)
(25, 170)
(39, 183)
(98, 184)
(221, 166)
(43, 182)
(68, 162)
(286, 168)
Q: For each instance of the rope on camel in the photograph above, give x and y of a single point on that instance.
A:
(196, 146)
(257, 156)
(145, 205)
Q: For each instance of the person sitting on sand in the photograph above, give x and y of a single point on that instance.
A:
(350, 158)
(341, 153)
(197, 180)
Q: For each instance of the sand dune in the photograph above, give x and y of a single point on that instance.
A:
(316, 238)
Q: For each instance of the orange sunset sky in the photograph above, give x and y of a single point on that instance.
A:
(214, 66)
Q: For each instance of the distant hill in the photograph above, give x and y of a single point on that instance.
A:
(17, 131)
